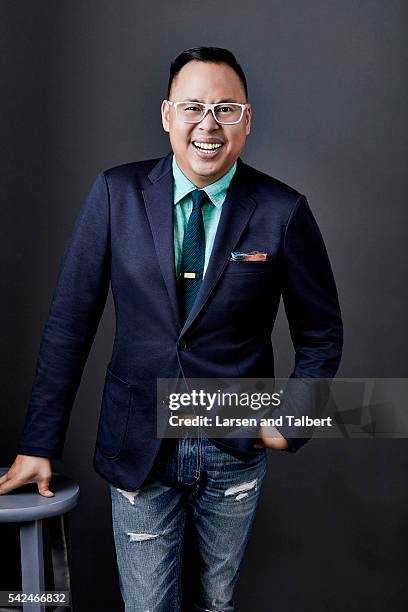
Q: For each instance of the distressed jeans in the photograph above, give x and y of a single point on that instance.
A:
(197, 505)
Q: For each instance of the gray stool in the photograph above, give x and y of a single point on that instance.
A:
(27, 507)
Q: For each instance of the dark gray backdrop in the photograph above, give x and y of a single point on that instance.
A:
(82, 84)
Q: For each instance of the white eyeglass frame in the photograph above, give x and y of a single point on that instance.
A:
(210, 107)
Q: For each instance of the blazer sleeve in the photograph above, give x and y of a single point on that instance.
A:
(312, 308)
(76, 307)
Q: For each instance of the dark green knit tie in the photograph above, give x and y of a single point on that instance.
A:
(192, 260)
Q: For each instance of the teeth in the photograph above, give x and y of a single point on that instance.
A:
(207, 146)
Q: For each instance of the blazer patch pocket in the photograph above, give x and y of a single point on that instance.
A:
(113, 420)
(238, 267)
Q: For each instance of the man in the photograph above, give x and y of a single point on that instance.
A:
(198, 248)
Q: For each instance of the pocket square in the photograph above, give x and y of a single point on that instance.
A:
(250, 256)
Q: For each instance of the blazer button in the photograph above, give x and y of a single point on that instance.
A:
(182, 344)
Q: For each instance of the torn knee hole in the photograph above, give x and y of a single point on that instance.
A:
(141, 537)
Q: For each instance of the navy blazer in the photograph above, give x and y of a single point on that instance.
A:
(123, 238)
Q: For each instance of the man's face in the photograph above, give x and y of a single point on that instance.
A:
(206, 82)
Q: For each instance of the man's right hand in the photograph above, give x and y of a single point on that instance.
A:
(27, 469)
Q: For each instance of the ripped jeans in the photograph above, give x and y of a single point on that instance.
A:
(180, 539)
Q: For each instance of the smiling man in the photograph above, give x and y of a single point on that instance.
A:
(198, 248)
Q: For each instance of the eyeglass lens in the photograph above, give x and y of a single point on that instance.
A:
(224, 113)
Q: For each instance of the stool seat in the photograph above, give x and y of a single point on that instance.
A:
(26, 504)
(27, 507)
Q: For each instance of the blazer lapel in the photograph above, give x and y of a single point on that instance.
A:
(237, 209)
(158, 198)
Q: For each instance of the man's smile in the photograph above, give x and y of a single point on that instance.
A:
(207, 148)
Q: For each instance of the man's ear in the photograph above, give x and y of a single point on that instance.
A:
(248, 119)
(165, 112)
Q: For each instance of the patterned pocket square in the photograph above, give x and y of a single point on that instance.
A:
(250, 256)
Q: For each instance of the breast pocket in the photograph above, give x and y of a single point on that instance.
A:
(248, 280)
(248, 267)
(248, 291)
(114, 416)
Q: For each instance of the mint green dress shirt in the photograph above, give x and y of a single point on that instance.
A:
(183, 205)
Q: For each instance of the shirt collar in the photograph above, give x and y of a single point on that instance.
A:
(216, 191)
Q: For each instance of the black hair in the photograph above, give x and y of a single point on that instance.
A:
(206, 54)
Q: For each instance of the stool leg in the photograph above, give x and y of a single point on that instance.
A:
(61, 553)
(32, 562)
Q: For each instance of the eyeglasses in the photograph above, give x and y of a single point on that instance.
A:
(226, 113)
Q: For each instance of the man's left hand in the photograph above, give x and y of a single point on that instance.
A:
(270, 437)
